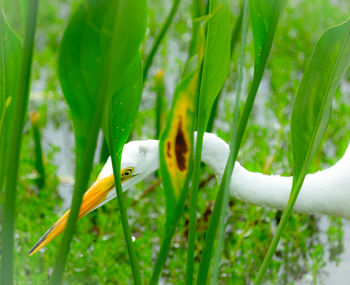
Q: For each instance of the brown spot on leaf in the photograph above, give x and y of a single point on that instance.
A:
(168, 146)
(180, 147)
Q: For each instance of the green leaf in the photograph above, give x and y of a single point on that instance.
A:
(19, 95)
(10, 60)
(84, 55)
(175, 153)
(159, 88)
(124, 106)
(313, 104)
(262, 14)
(217, 55)
(81, 66)
(218, 216)
(311, 113)
(122, 112)
(265, 17)
(225, 184)
(215, 67)
(158, 39)
(176, 142)
(101, 40)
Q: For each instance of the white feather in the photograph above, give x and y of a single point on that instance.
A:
(324, 192)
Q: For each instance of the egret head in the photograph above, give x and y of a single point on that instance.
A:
(139, 159)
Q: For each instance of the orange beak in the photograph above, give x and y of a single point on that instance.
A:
(96, 194)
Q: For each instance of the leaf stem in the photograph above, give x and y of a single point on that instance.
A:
(231, 163)
(104, 154)
(84, 164)
(20, 109)
(159, 88)
(258, 73)
(83, 169)
(163, 253)
(159, 38)
(193, 207)
(39, 164)
(124, 217)
(281, 226)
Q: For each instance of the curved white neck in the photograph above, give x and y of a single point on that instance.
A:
(325, 192)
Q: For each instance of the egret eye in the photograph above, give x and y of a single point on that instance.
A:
(127, 172)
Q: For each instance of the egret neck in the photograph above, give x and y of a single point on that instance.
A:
(324, 192)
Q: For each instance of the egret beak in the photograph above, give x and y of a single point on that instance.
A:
(95, 195)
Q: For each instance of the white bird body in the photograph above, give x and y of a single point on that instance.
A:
(324, 192)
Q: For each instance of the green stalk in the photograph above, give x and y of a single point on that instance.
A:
(236, 31)
(20, 105)
(169, 231)
(39, 165)
(234, 39)
(193, 206)
(231, 163)
(124, 216)
(211, 234)
(81, 183)
(159, 88)
(281, 226)
(213, 113)
(212, 227)
(159, 38)
(311, 113)
(202, 122)
(163, 253)
(173, 185)
(104, 151)
(195, 184)
(198, 9)
(2, 142)
(83, 167)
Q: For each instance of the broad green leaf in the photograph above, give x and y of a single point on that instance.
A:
(264, 16)
(101, 40)
(84, 55)
(219, 213)
(176, 143)
(215, 66)
(217, 57)
(313, 104)
(311, 113)
(16, 13)
(10, 60)
(225, 184)
(262, 13)
(81, 65)
(123, 108)
(175, 153)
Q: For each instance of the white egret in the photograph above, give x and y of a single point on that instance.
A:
(324, 192)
